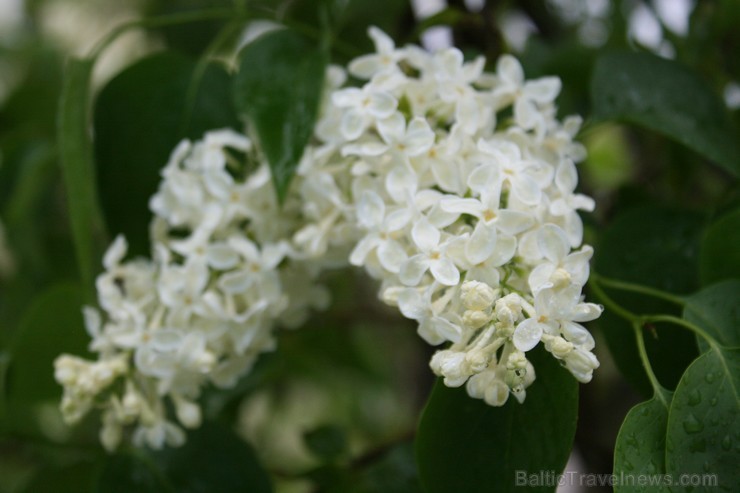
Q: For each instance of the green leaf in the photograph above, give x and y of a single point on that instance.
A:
(640, 447)
(463, 444)
(278, 87)
(214, 459)
(76, 156)
(657, 247)
(68, 479)
(719, 257)
(327, 442)
(140, 116)
(395, 472)
(716, 310)
(51, 325)
(703, 424)
(127, 472)
(664, 96)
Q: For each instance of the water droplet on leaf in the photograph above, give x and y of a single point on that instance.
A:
(692, 425)
(694, 397)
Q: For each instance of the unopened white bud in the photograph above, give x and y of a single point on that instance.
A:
(508, 309)
(477, 295)
(558, 346)
(187, 412)
(581, 364)
(477, 360)
(475, 319)
(110, 433)
(452, 366)
(496, 394)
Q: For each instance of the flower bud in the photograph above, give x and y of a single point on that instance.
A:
(475, 319)
(477, 295)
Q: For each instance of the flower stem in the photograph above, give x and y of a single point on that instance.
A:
(640, 338)
(610, 303)
(682, 323)
(638, 288)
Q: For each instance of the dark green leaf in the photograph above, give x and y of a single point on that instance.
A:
(326, 442)
(664, 96)
(77, 478)
(278, 87)
(640, 447)
(75, 152)
(465, 445)
(395, 472)
(51, 325)
(716, 310)
(656, 247)
(214, 459)
(703, 424)
(131, 472)
(719, 257)
(140, 116)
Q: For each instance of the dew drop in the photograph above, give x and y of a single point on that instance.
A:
(713, 402)
(709, 377)
(727, 443)
(692, 425)
(694, 397)
(651, 468)
(632, 440)
(707, 466)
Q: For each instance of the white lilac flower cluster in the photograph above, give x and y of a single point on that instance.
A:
(452, 186)
(203, 309)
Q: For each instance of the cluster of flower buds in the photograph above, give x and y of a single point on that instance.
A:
(452, 186)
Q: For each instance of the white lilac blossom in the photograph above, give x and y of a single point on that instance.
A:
(467, 217)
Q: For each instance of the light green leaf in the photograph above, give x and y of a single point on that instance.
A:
(719, 257)
(716, 310)
(278, 87)
(703, 435)
(640, 447)
(463, 444)
(666, 97)
(130, 154)
(75, 153)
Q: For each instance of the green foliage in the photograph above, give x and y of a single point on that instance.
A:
(395, 472)
(214, 459)
(327, 442)
(278, 87)
(716, 310)
(662, 95)
(52, 325)
(640, 447)
(126, 472)
(655, 247)
(719, 257)
(139, 118)
(486, 445)
(703, 427)
(75, 151)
